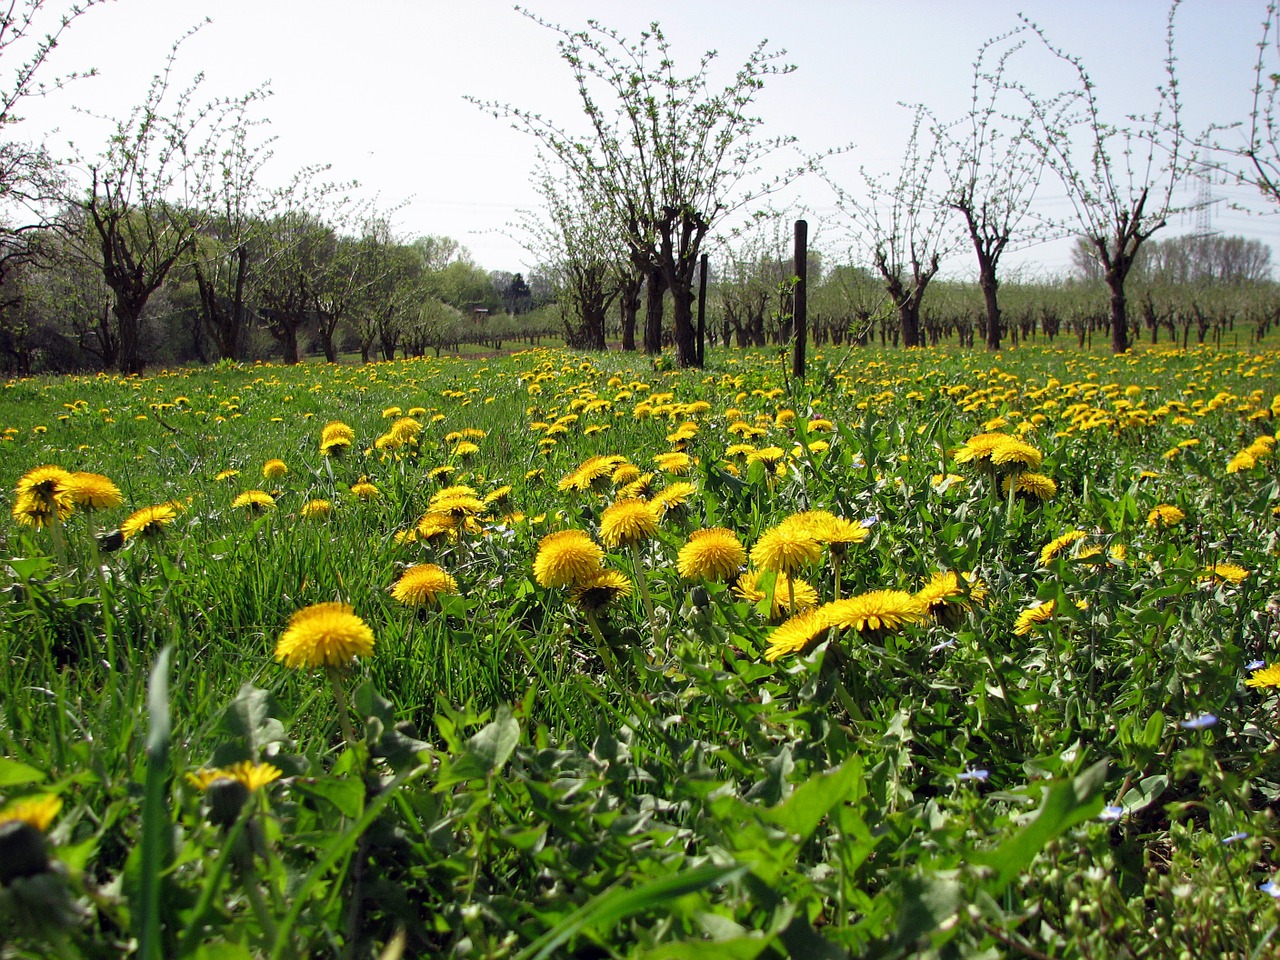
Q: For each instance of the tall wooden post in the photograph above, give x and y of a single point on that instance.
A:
(702, 312)
(800, 307)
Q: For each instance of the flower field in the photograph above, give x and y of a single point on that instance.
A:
(553, 655)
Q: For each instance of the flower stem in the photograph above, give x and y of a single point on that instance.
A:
(602, 645)
(644, 589)
(344, 718)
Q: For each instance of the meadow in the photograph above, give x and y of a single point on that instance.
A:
(936, 653)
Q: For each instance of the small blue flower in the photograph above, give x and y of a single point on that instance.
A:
(1255, 664)
(980, 775)
(1270, 887)
(1111, 813)
(1239, 835)
(869, 522)
(1199, 723)
(943, 645)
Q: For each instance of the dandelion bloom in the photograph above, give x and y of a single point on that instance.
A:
(435, 524)
(600, 590)
(674, 463)
(149, 521)
(274, 469)
(590, 472)
(1033, 486)
(878, 610)
(254, 500)
(786, 548)
(795, 634)
(316, 509)
(226, 475)
(253, 776)
(1058, 544)
(420, 585)
(34, 511)
(465, 449)
(711, 554)
(626, 473)
(1034, 616)
(37, 812)
(93, 491)
(1017, 454)
(365, 490)
(944, 596)
(405, 430)
(825, 527)
(565, 558)
(749, 588)
(324, 635)
(1165, 515)
(1225, 573)
(979, 448)
(674, 496)
(1244, 460)
(628, 521)
(769, 456)
(459, 501)
(1264, 678)
(43, 483)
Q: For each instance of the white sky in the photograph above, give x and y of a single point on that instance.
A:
(375, 87)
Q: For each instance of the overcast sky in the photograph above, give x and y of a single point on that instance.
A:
(376, 87)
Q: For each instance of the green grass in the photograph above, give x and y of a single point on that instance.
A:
(953, 787)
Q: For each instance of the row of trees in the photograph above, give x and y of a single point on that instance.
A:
(174, 221)
(665, 159)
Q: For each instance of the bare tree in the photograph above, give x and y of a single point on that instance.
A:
(1121, 180)
(993, 169)
(902, 226)
(670, 156)
(151, 194)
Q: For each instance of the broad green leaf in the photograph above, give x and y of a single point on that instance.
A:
(13, 773)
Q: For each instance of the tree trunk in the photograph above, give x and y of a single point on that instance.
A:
(656, 290)
(682, 298)
(1119, 315)
(987, 280)
(129, 320)
(629, 307)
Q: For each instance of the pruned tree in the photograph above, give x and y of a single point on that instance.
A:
(151, 191)
(669, 156)
(1121, 181)
(902, 226)
(993, 169)
(31, 180)
(582, 248)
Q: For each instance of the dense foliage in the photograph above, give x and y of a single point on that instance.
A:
(442, 657)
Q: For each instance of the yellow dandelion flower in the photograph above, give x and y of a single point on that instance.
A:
(793, 635)
(786, 548)
(274, 469)
(37, 812)
(255, 501)
(149, 521)
(1036, 615)
(226, 475)
(674, 496)
(750, 589)
(1264, 678)
(324, 635)
(253, 776)
(35, 511)
(1058, 544)
(1243, 460)
(365, 490)
(422, 584)
(43, 483)
(628, 521)
(565, 558)
(1031, 486)
(711, 554)
(1165, 515)
(875, 612)
(1225, 573)
(93, 491)
(677, 464)
(600, 590)
(316, 509)
(945, 597)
